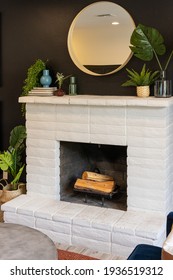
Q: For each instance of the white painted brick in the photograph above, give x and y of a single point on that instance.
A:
(41, 179)
(85, 217)
(129, 240)
(122, 251)
(141, 121)
(148, 163)
(41, 143)
(41, 134)
(50, 208)
(144, 152)
(48, 195)
(146, 112)
(41, 152)
(12, 205)
(108, 140)
(43, 189)
(147, 132)
(147, 183)
(57, 237)
(148, 193)
(15, 218)
(52, 163)
(91, 244)
(91, 233)
(72, 114)
(107, 129)
(68, 213)
(150, 225)
(107, 115)
(73, 136)
(39, 170)
(41, 125)
(42, 112)
(53, 226)
(30, 207)
(107, 219)
(158, 143)
(128, 222)
(147, 204)
(147, 173)
(72, 127)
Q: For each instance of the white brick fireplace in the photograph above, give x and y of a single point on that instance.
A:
(144, 125)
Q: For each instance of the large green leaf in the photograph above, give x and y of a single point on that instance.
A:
(17, 136)
(146, 42)
(18, 175)
(5, 161)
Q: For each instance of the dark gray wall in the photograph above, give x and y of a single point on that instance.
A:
(34, 29)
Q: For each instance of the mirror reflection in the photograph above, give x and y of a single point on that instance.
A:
(99, 38)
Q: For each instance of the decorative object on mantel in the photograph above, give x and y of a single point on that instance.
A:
(141, 81)
(12, 165)
(33, 79)
(163, 87)
(46, 79)
(60, 80)
(146, 43)
(72, 86)
(42, 91)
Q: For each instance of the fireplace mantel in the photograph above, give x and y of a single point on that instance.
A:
(98, 100)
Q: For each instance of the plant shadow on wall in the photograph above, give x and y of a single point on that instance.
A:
(12, 164)
(147, 43)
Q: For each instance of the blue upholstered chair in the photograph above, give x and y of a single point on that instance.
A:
(151, 252)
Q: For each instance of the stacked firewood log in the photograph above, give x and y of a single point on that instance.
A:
(95, 182)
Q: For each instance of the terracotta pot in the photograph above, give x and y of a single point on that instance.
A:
(59, 92)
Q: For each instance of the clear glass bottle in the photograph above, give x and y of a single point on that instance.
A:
(163, 87)
(72, 86)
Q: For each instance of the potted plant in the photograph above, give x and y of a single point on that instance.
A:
(142, 80)
(60, 80)
(146, 43)
(11, 163)
(32, 80)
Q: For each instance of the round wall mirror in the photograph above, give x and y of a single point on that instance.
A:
(99, 38)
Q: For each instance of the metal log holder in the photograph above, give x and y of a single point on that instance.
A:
(103, 195)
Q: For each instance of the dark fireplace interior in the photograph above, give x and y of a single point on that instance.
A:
(75, 158)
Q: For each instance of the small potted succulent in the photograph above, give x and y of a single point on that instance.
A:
(142, 80)
(60, 80)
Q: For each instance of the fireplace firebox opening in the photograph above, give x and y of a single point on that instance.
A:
(111, 160)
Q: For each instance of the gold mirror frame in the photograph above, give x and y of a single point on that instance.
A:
(93, 41)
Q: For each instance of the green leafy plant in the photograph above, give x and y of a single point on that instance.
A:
(11, 159)
(60, 79)
(146, 43)
(144, 78)
(33, 79)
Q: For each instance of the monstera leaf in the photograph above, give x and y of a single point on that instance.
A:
(147, 42)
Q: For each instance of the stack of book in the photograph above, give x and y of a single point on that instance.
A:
(42, 91)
